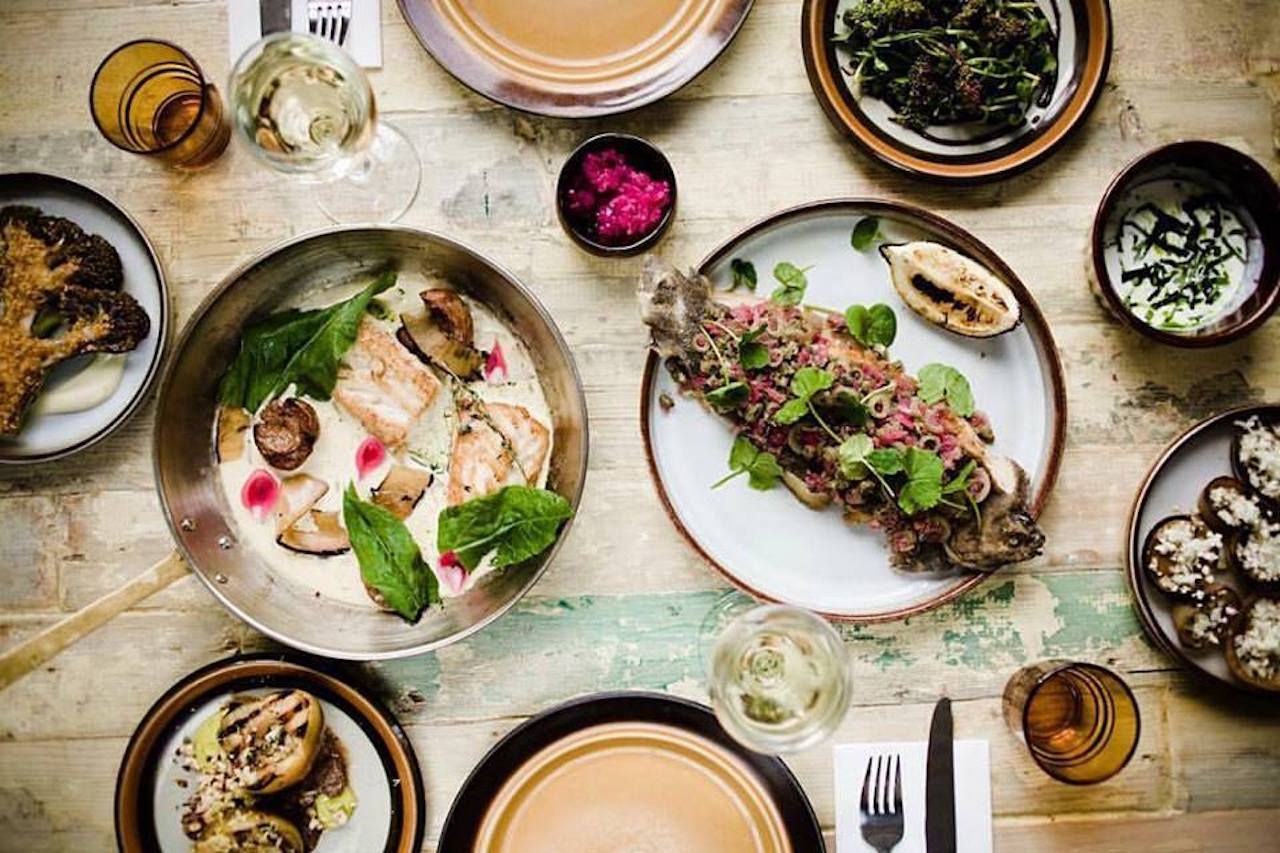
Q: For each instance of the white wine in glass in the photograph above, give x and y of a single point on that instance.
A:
(306, 109)
(779, 675)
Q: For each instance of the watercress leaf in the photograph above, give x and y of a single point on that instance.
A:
(853, 454)
(938, 381)
(296, 347)
(923, 488)
(764, 473)
(961, 480)
(857, 317)
(791, 411)
(959, 394)
(516, 523)
(886, 461)
(864, 233)
(744, 274)
(882, 325)
(390, 560)
(809, 381)
(728, 396)
(933, 382)
(742, 454)
(792, 284)
(752, 355)
(849, 409)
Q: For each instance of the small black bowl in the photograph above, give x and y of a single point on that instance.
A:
(639, 153)
(1237, 176)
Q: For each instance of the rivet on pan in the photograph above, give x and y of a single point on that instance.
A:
(225, 543)
(220, 577)
(187, 523)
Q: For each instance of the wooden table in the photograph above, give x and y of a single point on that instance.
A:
(621, 606)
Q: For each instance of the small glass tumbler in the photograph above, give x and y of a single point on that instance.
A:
(150, 97)
(1079, 721)
(779, 676)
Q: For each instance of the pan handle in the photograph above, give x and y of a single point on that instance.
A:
(35, 651)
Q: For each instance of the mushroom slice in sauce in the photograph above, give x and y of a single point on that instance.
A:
(318, 533)
(233, 423)
(402, 488)
(272, 740)
(443, 333)
(298, 494)
(286, 433)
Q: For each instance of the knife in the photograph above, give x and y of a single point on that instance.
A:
(940, 783)
(276, 16)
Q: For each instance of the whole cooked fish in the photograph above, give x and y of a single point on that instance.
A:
(982, 525)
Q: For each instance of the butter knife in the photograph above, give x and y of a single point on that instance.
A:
(276, 16)
(940, 783)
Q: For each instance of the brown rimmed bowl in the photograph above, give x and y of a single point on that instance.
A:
(642, 155)
(391, 759)
(1173, 485)
(1242, 180)
(768, 544)
(962, 155)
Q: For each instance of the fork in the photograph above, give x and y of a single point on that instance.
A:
(329, 19)
(881, 807)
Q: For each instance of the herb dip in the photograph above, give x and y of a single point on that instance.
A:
(1177, 253)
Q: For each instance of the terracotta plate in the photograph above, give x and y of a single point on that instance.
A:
(382, 769)
(575, 58)
(768, 543)
(50, 436)
(968, 154)
(1172, 487)
(628, 771)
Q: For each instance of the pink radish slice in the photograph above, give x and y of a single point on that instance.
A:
(369, 456)
(452, 573)
(260, 493)
(495, 362)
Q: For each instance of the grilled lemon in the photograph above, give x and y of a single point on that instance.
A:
(272, 740)
(951, 290)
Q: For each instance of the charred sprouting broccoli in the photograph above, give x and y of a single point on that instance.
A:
(937, 62)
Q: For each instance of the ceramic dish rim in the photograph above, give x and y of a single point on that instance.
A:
(160, 325)
(1037, 326)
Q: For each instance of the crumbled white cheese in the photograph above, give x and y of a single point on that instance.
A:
(1192, 553)
(1235, 507)
(1209, 620)
(1259, 554)
(1258, 646)
(1260, 455)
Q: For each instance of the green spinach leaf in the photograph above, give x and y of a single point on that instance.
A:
(390, 560)
(516, 522)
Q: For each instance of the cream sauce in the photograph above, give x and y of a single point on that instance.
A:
(334, 457)
(90, 387)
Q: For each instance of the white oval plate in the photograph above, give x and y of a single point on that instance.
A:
(768, 543)
(51, 436)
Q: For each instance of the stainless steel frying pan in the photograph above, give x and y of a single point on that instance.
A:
(187, 481)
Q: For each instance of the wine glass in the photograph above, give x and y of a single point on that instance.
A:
(307, 109)
(778, 675)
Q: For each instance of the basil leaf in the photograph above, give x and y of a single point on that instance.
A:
(516, 522)
(791, 411)
(882, 325)
(390, 560)
(923, 488)
(296, 347)
(938, 381)
(792, 283)
(809, 381)
(864, 233)
(744, 274)
(729, 396)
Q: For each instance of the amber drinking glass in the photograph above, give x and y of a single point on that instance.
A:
(1079, 721)
(150, 97)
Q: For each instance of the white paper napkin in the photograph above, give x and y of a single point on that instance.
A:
(364, 41)
(973, 795)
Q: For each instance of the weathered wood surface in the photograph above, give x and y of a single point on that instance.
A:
(623, 611)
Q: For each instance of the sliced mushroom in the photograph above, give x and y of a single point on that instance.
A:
(808, 497)
(298, 494)
(1180, 556)
(317, 533)
(402, 488)
(443, 333)
(233, 423)
(951, 290)
(1228, 507)
(286, 432)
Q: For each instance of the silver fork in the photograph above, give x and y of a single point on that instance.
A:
(882, 806)
(329, 19)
